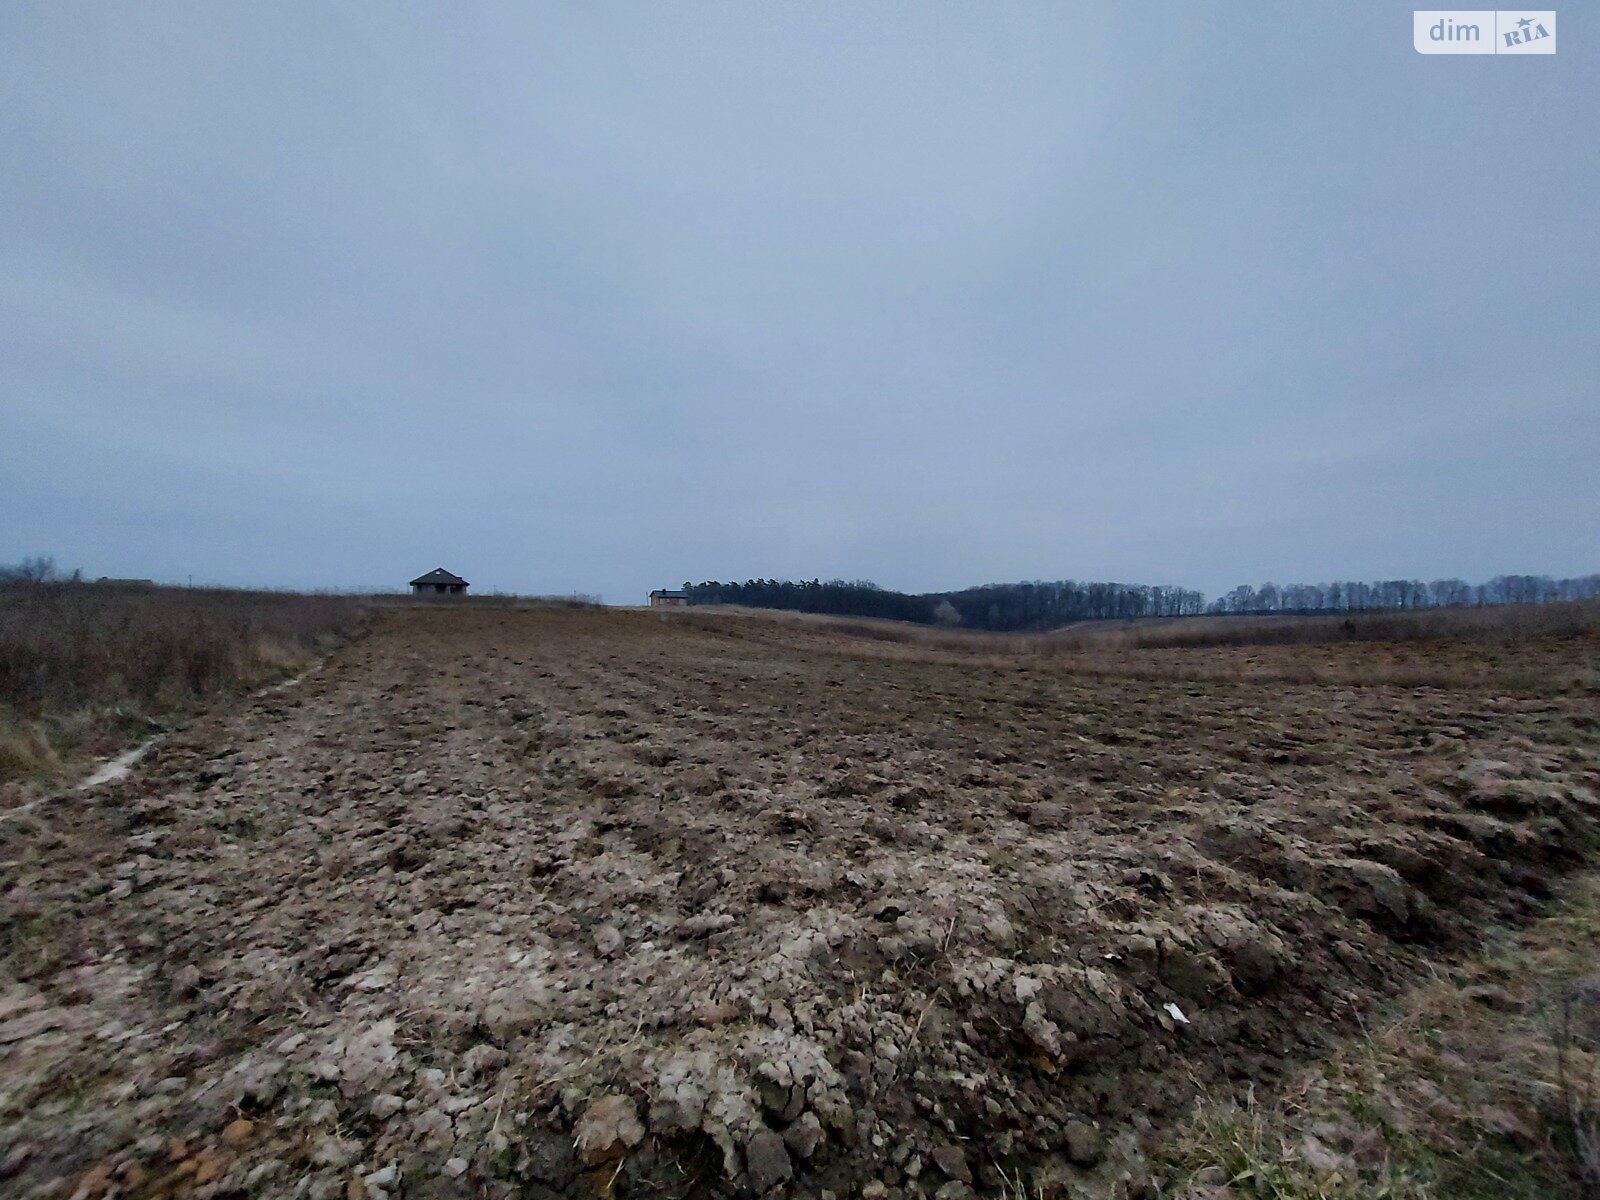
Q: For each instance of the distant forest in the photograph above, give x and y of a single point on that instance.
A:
(1016, 607)
(995, 606)
(1404, 593)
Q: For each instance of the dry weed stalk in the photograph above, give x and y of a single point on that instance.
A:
(1578, 1078)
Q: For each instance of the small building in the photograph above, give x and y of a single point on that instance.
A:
(438, 582)
(665, 599)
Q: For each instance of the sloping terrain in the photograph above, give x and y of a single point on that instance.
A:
(567, 902)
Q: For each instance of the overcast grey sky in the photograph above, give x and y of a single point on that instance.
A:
(603, 297)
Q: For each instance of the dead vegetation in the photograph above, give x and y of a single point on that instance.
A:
(1508, 622)
(85, 667)
(1531, 648)
(491, 600)
(1502, 623)
(1481, 1083)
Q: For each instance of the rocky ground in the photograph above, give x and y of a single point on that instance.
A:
(573, 903)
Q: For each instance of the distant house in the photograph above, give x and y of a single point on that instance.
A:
(665, 599)
(438, 582)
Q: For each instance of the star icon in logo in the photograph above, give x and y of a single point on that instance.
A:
(1525, 22)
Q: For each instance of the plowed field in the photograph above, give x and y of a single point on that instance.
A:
(569, 902)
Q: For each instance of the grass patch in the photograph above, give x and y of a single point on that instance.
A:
(1481, 1084)
(1547, 649)
(84, 668)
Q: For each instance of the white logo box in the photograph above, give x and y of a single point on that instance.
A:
(1483, 31)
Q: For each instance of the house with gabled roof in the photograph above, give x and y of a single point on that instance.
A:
(438, 582)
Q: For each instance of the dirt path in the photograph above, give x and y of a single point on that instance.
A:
(734, 914)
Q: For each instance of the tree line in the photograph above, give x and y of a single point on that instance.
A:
(999, 607)
(1358, 596)
(1020, 607)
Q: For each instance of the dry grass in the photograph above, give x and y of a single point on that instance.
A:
(1482, 1084)
(1503, 622)
(84, 667)
(491, 600)
(1514, 621)
(1533, 649)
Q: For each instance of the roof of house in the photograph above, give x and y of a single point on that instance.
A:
(670, 595)
(439, 575)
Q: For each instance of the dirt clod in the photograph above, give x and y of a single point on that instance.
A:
(608, 1127)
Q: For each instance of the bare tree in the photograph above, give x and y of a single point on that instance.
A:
(39, 569)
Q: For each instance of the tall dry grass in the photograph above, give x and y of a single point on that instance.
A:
(1506, 622)
(1513, 621)
(514, 600)
(1525, 648)
(82, 666)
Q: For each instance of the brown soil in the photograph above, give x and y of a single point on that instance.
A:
(568, 902)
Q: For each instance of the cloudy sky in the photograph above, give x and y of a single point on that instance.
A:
(604, 296)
